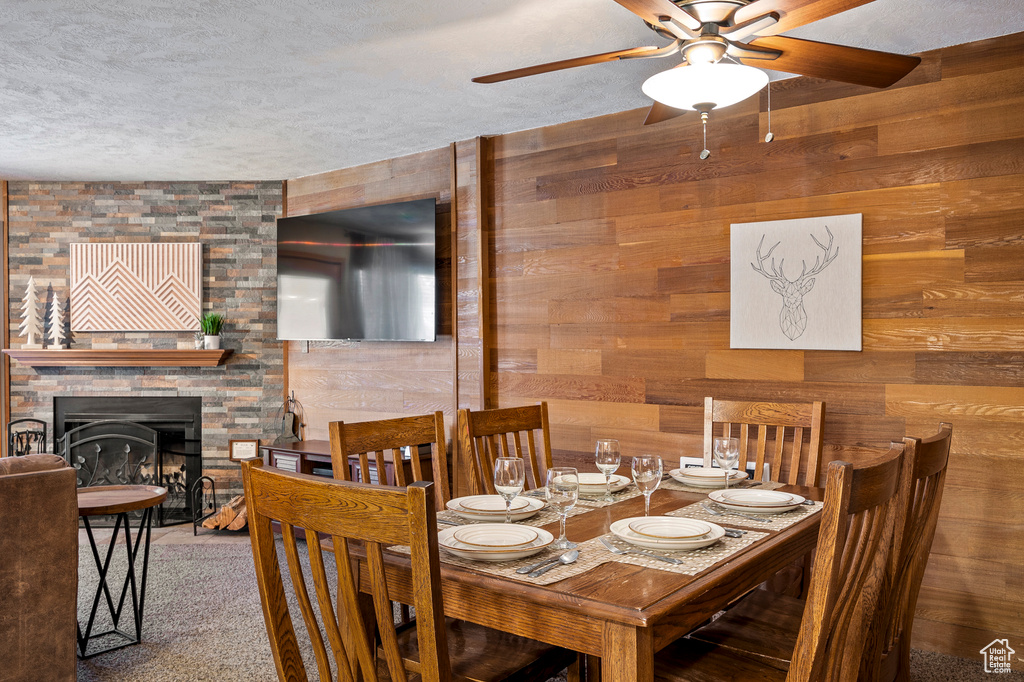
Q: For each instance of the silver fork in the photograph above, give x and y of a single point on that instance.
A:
(615, 550)
(718, 512)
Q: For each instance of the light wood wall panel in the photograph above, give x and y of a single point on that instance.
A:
(611, 290)
(366, 381)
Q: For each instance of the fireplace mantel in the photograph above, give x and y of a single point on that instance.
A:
(119, 357)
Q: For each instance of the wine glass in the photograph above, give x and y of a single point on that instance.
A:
(726, 452)
(509, 476)
(562, 491)
(607, 457)
(647, 476)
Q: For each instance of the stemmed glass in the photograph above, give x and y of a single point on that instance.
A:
(647, 476)
(607, 457)
(562, 491)
(726, 452)
(509, 477)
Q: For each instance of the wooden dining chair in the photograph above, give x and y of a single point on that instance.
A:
(765, 625)
(915, 530)
(774, 433)
(484, 435)
(387, 437)
(857, 527)
(375, 517)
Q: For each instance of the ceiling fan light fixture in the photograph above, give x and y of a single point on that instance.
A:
(719, 85)
(705, 50)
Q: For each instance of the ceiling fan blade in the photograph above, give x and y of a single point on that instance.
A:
(793, 12)
(661, 112)
(834, 62)
(631, 53)
(653, 10)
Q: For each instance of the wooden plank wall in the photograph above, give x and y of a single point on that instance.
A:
(611, 290)
(5, 361)
(608, 249)
(367, 381)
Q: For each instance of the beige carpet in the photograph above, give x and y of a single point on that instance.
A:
(203, 621)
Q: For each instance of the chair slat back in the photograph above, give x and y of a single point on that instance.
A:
(770, 432)
(377, 517)
(924, 478)
(375, 438)
(857, 526)
(485, 435)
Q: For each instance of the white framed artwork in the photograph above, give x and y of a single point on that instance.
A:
(796, 284)
(136, 287)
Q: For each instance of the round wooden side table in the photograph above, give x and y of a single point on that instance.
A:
(119, 501)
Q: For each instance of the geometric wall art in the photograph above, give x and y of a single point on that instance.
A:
(796, 284)
(136, 287)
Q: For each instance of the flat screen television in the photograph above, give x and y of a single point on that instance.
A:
(366, 274)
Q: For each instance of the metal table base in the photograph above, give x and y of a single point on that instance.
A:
(138, 588)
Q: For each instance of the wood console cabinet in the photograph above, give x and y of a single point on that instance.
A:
(314, 457)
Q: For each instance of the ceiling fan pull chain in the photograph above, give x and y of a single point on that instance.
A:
(769, 137)
(705, 153)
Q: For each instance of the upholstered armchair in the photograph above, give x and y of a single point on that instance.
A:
(38, 569)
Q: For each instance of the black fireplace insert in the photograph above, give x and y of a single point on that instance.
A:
(135, 440)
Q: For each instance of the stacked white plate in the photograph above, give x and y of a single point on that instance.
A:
(756, 501)
(593, 484)
(667, 532)
(492, 507)
(707, 477)
(494, 541)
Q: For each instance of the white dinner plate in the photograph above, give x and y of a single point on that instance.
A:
(533, 506)
(446, 540)
(705, 480)
(621, 529)
(742, 504)
(757, 498)
(495, 535)
(670, 528)
(711, 472)
(493, 504)
(593, 484)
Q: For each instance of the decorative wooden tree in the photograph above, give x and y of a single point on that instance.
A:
(58, 331)
(31, 325)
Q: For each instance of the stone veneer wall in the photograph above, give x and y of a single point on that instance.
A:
(235, 221)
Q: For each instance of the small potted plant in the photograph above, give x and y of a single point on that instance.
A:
(211, 324)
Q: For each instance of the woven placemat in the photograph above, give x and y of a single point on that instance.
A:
(632, 491)
(627, 493)
(774, 521)
(673, 484)
(593, 554)
(693, 561)
(541, 518)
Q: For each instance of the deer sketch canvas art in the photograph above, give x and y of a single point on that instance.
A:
(796, 284)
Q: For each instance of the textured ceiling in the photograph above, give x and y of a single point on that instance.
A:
(271, 89)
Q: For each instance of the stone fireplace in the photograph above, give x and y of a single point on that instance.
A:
(235, 223)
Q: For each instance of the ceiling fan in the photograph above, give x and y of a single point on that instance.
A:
(735, 34)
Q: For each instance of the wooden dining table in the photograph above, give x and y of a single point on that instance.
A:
(620, 612)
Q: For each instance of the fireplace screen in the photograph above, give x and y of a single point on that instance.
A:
(112, 452)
